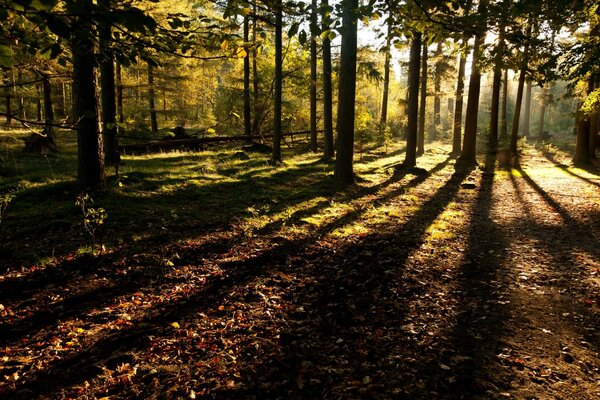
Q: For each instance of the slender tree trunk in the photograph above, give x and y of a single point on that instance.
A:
(386, 81)
(437, 87)
(344, 173)
(527, 110)
(8, 97)
(38, 102)
(48, 109)
(468, 156)
(119, 83)
(152, 100)
(543, 112)
(107, 90)
(256, 121)
(85, 107)
(313, 76)
(327, 87)
(582, 147)
(422, 102)
(22, 108)
(458, 106)
(413, 100)
(63, 99)
(519, 100)
(276, 154)
(496, 83)
(593, 121)
(503, 107)
(247, 113)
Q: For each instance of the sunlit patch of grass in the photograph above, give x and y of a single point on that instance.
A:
(352, 229)
(445, 225)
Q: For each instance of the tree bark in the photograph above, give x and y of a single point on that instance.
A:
(496, 83)
(8, 97)
(247, 112)
(257, 119)
(276, 153)
(545, 95)
(119, 83)
(437, 87)
(468, 156)
(527, 110)
(593, 121)
(503, 107)
(515, 127)
(313, 76)
(460, 90)
(152, 100)
(386, 81)
(38, 102)
(582, 147)
(107, 90)
(327, 87)
(344, 173)
(422, 102)
(413, 101)
(22, 108)
(48, 109)
(85, 106)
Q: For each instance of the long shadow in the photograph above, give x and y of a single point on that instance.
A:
(342, 314)
(550, 157)
(213, 292)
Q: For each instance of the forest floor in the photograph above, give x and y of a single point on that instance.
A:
(445, 284)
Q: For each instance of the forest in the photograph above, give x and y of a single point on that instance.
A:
(273, 199)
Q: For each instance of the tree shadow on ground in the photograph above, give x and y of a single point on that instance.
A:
(281, 256)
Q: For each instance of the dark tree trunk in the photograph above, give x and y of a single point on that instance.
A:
(344, 173)
(458, 107)
(527, 110)
(107, 90)
(515, 127)
(119, 83)
(422, 102)
(496, 83)
(152, 100)
(247, 113)
(413, 100)
(593, 84)
(503, 107)
(313, 76)
(8, 97)
(582, 147)
(327, 88)
(63, 99)
(22, 109)
(48, 109)
(386, 81)
(38, 102)
(437, 87)
(85, 107)
(276, 154)
(468, 156)
(257, 118)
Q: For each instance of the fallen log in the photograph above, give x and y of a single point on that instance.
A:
(192, 143)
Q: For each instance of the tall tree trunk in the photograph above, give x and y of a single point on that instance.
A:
(437, 87)
(328, 148)
(545, 95)
(8, 97)
(413, 101)
(38, 102)
(247, 113)
(344, 173)
(85, 106)
(256, 109)
(22, 108)
(422, 102)
(496, 83)
(276, 153)
(582, 147)
(527, 110)
(593, 120)
(386, 81)
(119, 83)
(503, 107)
(152, 100)
(515, 127)
(313, 76)
(63, 99)
(468, 156)
(107, 90)
(48, 109)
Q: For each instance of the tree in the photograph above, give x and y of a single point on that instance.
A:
(422, 102)
(328, 148)
(496, 84)
(107, 89)
(386, 73)
(344, 173)
(152, 99)
(276, 152)
(313, 75)
(412, 110)
(520, 88)
(468, 156)
(247, 113)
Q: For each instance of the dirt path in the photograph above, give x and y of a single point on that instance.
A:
(448, 285)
